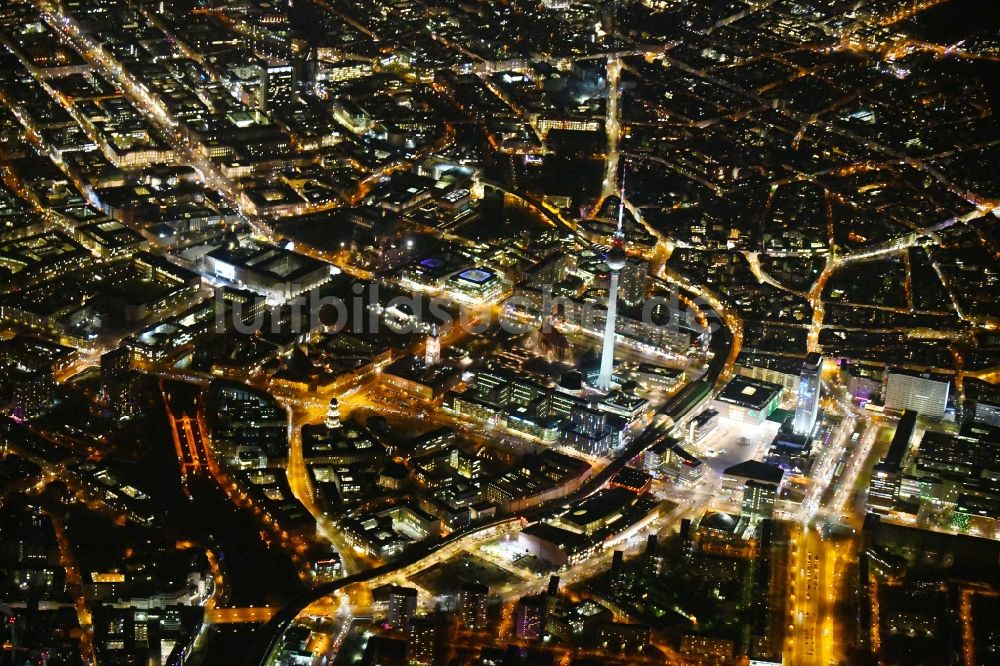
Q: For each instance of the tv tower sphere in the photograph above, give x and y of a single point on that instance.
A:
(616, 257)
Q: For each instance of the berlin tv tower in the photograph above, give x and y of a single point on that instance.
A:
(616, 261)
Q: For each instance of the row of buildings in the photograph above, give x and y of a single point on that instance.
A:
(551, 414)
(895, 389)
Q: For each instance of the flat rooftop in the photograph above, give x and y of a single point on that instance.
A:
(756, 471)
(749, 393)
(268, 260)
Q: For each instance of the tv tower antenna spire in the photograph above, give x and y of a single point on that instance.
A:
(620, 232)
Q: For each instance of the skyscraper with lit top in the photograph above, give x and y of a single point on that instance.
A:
(807, 407)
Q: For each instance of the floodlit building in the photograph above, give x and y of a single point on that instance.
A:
(267, 269)
(555, 545)
(747, 400)
(477, 285)
(702, 424)
(922, 393)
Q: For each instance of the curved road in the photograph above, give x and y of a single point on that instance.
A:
(281, 620)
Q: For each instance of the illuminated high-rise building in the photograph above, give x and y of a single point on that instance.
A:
(618, 575)
(277, 84)
(808, 403)
(115, 365)
(33, 392)
(421, 639)
(126, 401)
(472, 604)
(402, 606)
(529, 618)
